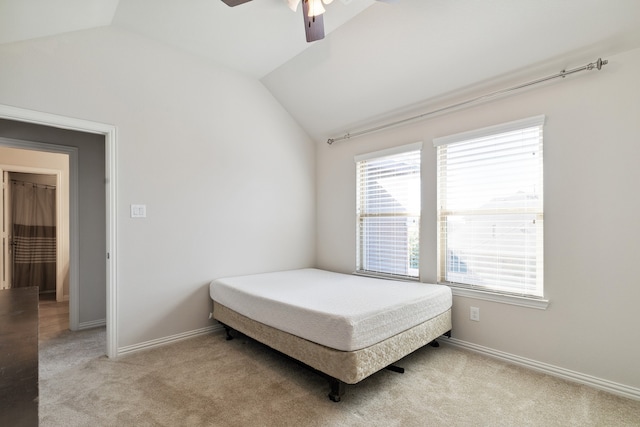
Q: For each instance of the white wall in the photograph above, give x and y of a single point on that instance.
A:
(227, 176)
(592, 232)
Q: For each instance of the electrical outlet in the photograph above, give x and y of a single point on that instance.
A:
(474, 313)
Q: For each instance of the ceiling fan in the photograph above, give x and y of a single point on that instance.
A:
(312, 11)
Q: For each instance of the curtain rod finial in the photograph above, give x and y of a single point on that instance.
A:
(598, 64)
(601, 62)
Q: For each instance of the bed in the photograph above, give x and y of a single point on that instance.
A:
(344, 326)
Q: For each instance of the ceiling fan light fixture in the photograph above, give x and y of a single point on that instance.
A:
(315, 8)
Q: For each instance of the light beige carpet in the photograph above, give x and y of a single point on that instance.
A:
(207, 381)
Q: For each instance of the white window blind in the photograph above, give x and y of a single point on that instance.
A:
(388, 212)
(490, 208)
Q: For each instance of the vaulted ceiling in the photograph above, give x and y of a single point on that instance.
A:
(378, 60)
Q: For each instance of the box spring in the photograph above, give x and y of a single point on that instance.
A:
(349, 367)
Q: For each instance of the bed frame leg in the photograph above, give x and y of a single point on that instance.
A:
(435, 343)
(337, 389)
(394, 368)
(228, 331)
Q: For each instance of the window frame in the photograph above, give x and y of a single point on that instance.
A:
(474, 290)
(389, 153)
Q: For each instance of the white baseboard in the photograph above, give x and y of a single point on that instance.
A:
(167, 340)
(92, 324)
(598, 383)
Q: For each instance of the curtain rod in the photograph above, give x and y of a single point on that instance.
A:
(590, 66)
(34, 184)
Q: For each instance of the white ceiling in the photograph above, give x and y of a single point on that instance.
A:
(377, 60)
(254, 38)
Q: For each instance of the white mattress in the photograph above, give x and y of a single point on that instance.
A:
(340, 311)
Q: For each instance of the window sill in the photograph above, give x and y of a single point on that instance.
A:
(386, 276)
(530, 302)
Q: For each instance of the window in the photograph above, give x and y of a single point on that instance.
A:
(490, 209)
(388, 212)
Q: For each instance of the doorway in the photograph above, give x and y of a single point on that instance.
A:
(30, 233)
(107, 134)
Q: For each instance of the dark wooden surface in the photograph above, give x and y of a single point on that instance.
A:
(19, 357)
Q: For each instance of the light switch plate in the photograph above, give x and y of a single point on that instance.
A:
(138, 211)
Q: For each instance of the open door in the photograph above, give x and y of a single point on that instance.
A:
(5, 220)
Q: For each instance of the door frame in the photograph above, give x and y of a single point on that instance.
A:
(7, 220)
(110, 137)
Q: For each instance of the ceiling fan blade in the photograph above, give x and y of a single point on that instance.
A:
(232, 3)
(313, 26)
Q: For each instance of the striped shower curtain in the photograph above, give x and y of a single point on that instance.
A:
(34, 235)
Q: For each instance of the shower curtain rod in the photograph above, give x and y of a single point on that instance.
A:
(35, 184)
(590, 66)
